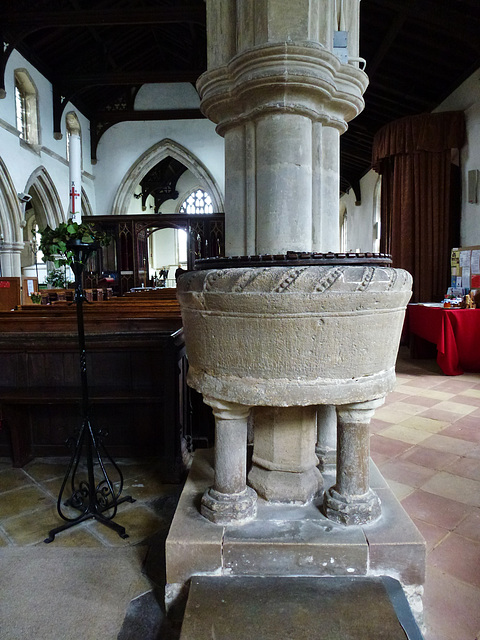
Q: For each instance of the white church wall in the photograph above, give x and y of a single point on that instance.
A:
(23, 159)
(360, 217)
(169, 95)
(123, 144)
(467, 98)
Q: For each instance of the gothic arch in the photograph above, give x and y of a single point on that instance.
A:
(10, 209)
(149, 159)
(86, 206)
(43, 189)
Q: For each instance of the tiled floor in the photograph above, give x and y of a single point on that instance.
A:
(425, 440)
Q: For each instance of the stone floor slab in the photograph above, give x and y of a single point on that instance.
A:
(229, 608)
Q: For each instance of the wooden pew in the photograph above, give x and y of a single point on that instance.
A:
(137, 378)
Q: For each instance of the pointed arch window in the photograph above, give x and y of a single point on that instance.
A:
(26, 107)
(198, 202)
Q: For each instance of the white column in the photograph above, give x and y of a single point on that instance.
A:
(75, 177)
(10, 259)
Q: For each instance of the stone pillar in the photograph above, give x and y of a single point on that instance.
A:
(284, 461)
(326, 447)
(10, 258)
(351, 500)
(281, 97)
(75, 168)
(229, 500)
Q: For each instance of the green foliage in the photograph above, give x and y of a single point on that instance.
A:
(56, 279)
(54, 241)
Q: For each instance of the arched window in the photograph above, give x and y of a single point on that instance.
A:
(199, 201)
(26, 111)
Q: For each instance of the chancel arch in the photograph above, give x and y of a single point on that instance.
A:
(151, 158)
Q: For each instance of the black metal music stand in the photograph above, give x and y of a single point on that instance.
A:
(92, 498)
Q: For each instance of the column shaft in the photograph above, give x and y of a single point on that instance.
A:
(351, 500)
(229, 500)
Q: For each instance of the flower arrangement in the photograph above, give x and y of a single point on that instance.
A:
(55, 242)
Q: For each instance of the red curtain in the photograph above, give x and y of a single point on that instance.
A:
(420, 209)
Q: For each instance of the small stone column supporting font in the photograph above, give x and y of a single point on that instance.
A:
(351, 500)
(229, 500)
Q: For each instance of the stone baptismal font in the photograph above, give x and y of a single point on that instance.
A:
(287, 339)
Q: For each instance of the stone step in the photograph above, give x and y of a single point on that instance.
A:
(297, 608)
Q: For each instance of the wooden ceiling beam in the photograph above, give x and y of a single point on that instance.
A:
(30, 21)
(392, 32)
(432, 13)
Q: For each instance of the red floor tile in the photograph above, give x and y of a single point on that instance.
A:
(459, 557)
(422, 401)
(433, 509)
(432, 534)
(439, 414)
(396, 396)
(406, 472)
(471, 400)
(378, 425)
(430, 457)
(464, 429)
(388, 446)
(469, 527)
(452, 608)
(467, 468)
(454, 384)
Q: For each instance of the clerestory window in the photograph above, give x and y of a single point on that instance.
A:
(26, 108)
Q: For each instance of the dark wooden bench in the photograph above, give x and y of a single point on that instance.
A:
(137, 378)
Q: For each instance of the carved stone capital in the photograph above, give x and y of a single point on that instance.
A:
(300, 78)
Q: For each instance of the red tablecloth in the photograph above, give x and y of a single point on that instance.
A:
(455, 332)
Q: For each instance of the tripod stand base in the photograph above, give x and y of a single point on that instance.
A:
(96, 516)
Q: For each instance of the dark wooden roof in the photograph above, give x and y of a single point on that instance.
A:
(97, 53)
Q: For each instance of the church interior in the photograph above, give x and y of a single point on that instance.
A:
(332, 143)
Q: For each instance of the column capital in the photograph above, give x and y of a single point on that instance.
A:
(224, 410)
(289, 77)
(12, 247)
(359, 412)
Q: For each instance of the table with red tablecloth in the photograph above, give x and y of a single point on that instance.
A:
(455, 332)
